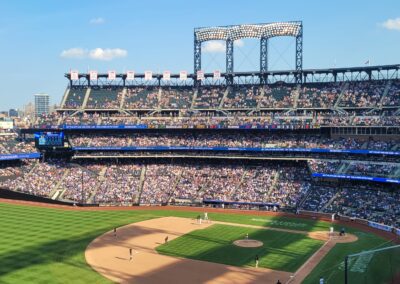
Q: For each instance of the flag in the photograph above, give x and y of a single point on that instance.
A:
(367, 62)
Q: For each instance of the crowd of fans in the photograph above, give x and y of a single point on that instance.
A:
(159, 183)
(292, 185)
(256, 184)
(363, 94)
(107, 98)
(107, 183)
(243, 97)
(241, 183)
(318, 198)
(77, 184)
(367, 203)
(374, 169)
(12, 145)
(311, 95)
(318, 95)
(286, 185)
(278, 97)
(364, 202)
(12, 170)
(261, 119)
(176, 98)
(244, 139)
(392, 99)
(75, 98)
(141, 98)
(119, 184)
(209, 98)
(356, 168)
(41, 180)
(324, 166)
(49, 120)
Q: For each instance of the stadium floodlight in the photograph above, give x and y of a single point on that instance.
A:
(260, 31)
(248, 31)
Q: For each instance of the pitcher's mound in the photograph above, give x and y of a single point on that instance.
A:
(247, 243)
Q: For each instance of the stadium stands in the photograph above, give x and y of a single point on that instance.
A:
(278, 97)
(393, 96)
(297, 117)
(280, 105)
(106, 98)
(142, 98)
(176, 98)
(243, 97)
(75, 98)
(119, 185)
(286, 185)
(243, 139)
(42, 180)
(356, 168)
(10, 145)
(318, 95)
(367, 203)
(209, 98)
(362, 94)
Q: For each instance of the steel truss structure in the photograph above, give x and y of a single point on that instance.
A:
(262, 31)
(367, 73)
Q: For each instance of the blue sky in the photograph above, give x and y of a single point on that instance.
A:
(41, 40)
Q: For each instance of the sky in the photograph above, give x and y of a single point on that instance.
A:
(42, 40)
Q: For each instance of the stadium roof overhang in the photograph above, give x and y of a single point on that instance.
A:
(366, 69)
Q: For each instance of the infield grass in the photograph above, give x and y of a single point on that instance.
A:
(280, 251)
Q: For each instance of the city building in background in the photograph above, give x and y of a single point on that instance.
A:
(13, 113)
(41, 104)
(6, 124)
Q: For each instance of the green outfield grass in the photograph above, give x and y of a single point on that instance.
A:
(45, 245)
(281, 250)
(377, 269)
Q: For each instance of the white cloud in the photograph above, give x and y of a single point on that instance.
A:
(214, 46)
(95, 54)
(107, 54)
(392, 24)
(76, 52)
(217, 46)
(238, 43)
(97, 21)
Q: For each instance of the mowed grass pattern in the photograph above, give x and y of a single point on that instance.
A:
(40, 245)
(44, 245)
(281, 250)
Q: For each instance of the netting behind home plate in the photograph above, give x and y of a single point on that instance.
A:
(374, 267)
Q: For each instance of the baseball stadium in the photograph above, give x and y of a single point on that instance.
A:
(265, 176)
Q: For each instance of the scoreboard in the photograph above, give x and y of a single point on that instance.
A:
(49, 139)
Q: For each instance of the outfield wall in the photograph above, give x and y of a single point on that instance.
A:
(377, 226)
(15, 195)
